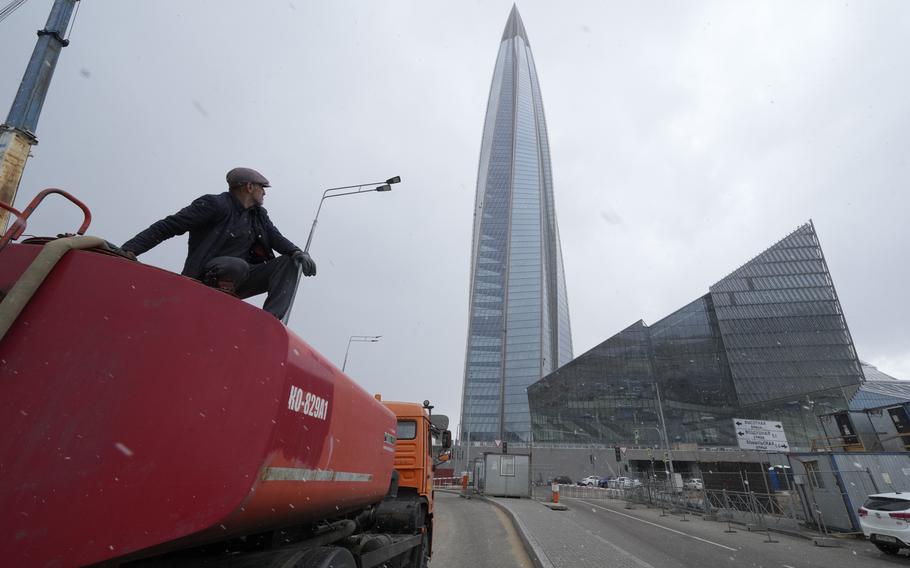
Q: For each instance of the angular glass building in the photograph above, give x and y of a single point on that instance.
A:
(769, 342)
(519, 314)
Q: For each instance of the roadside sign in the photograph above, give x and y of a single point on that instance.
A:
(766, 435)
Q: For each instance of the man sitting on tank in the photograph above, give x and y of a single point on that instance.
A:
(232, 241)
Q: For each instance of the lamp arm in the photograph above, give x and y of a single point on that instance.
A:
(351, 186)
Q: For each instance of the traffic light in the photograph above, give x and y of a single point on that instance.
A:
(618, 453)
(505, 447)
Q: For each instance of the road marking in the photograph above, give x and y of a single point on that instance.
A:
(786, 566)
(698, 538)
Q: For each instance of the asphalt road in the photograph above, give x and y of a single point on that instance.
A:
(471, 533)
(643, 539)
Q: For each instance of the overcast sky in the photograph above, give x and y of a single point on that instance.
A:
(686, 138)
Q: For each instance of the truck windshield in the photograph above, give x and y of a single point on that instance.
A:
(407, 429)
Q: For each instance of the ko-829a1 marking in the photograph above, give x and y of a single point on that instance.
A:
(308, 403)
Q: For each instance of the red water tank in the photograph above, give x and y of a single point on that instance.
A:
(143, 412)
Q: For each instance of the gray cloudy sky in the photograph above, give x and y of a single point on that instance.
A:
(686, 138)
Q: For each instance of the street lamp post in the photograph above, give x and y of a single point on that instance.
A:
(357, 339)
(663, 426)
(358, 188)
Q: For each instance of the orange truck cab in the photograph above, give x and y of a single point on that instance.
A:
(415, 463)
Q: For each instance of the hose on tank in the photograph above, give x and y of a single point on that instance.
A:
(31, 279)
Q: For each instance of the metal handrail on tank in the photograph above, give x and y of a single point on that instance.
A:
(18, 227)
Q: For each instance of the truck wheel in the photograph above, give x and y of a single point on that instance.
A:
(322, 557)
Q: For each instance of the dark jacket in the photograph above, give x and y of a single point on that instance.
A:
(207, 219)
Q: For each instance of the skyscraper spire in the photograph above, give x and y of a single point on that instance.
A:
(519, 314)
(515, 27)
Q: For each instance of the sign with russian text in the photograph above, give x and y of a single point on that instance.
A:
(765, 435)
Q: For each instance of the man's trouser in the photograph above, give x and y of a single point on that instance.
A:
(278, 277)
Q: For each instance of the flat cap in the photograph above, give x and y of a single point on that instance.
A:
(241, 176)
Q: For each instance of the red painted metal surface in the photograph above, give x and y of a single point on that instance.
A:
(142, 411)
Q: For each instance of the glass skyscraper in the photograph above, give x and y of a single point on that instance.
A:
(519, 314)
(767, 342)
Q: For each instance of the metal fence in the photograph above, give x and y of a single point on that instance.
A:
(447, 482)
(658, 494)
(782, 510)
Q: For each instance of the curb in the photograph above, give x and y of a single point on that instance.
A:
(534, 550)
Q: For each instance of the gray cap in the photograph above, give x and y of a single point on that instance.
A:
(242, 176)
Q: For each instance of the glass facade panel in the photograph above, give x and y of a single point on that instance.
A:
(762, 347)
(518, 326)
(797, 340)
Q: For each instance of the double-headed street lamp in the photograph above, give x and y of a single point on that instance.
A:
(358, 188)
(358, 339)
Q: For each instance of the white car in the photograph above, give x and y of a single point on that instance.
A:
(590, 481)
(885, 520)
(624, 483)
(694, 483)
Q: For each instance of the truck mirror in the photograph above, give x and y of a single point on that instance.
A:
(446, 439)
(440, 421)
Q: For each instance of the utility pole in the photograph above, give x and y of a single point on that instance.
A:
(17, 134)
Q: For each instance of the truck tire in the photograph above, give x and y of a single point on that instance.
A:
(321, 557)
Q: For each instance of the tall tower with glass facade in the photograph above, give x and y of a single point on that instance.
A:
(519, 314)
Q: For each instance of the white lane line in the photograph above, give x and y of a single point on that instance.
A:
(698, 538)
(786, 566)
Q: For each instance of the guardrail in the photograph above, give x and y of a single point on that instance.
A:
(447, 482)
(654, 494)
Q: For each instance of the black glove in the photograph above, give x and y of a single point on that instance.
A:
(305, 262)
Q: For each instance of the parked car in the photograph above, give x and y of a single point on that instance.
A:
(605, 482)
(562, 480)
(624, 483)
(885, 520)
(590, 481)
(694, 483)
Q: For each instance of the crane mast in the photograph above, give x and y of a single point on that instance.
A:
(17, 134)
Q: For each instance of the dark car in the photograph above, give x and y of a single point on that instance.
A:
(562, 480)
